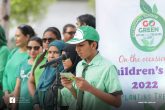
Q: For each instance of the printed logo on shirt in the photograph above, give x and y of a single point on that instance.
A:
(11, 99)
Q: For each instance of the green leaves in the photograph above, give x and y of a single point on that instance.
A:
(145, 42)
(155, 9)
(91, 3)
(23, 11)
(147, 9)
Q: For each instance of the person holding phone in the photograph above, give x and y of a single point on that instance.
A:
(69, 72)
(96, 86)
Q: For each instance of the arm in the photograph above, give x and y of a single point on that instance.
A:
(68, 84)
(73, 91)
(16, 93)
(31, 85)
(5, 84)
(5, 90)
(36, 105)
(113, 100)
(3, 59)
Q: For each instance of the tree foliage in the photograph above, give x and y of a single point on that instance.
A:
(92, 3)
(23, 11)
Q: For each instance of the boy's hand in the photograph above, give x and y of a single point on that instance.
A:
(82, 84)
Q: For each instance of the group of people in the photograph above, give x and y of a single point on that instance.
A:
(94, 82)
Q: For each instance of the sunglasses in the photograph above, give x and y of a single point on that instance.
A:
(47, 39)
(71, 33)
(36, 48)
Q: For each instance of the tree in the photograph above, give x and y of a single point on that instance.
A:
(4, 14)
(23, 11)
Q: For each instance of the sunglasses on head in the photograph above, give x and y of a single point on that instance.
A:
(71, 33)
(47, 39)
(34, 47)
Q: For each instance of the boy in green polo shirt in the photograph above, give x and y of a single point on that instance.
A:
(96, 83)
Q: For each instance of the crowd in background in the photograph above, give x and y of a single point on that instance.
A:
(41, 88)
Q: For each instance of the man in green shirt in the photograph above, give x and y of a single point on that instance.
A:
(96, 83)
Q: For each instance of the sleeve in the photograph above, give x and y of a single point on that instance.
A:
(111, 81)
(3, 59)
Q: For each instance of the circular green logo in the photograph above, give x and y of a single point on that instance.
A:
(147, 31)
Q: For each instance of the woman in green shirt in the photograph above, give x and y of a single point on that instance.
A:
(4, 51)
(50, 34)
(15, 58)
(21, 90)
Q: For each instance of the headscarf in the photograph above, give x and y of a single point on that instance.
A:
(71, 53)
(59, 44)
(49, 74)
(3, 40)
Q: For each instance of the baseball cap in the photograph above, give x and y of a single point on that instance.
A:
(84, 33)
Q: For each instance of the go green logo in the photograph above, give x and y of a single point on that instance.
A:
(148, 29)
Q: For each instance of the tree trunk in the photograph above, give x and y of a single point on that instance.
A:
(4, 15)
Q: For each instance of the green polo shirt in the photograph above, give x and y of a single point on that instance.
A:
(101, 74)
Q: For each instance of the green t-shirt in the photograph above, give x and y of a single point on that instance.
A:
(25, 99)
(9, 77)
(101, 74)
(4, 51)
(38, 71)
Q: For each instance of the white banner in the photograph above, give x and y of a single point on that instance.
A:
(132, 36)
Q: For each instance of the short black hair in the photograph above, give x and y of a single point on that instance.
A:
(37, 39)
(68, 25)
(26, 30)
(91, 41)
(55, 31)
(87, 19)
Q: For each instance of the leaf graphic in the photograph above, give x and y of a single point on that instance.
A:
(162, 107)
(145, 42)
(148, 107)
(145, 7)
(155, 9)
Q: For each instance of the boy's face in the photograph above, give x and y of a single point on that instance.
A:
(84, 49)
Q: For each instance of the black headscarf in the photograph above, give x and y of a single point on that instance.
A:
(3, 40)
(71, 53)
